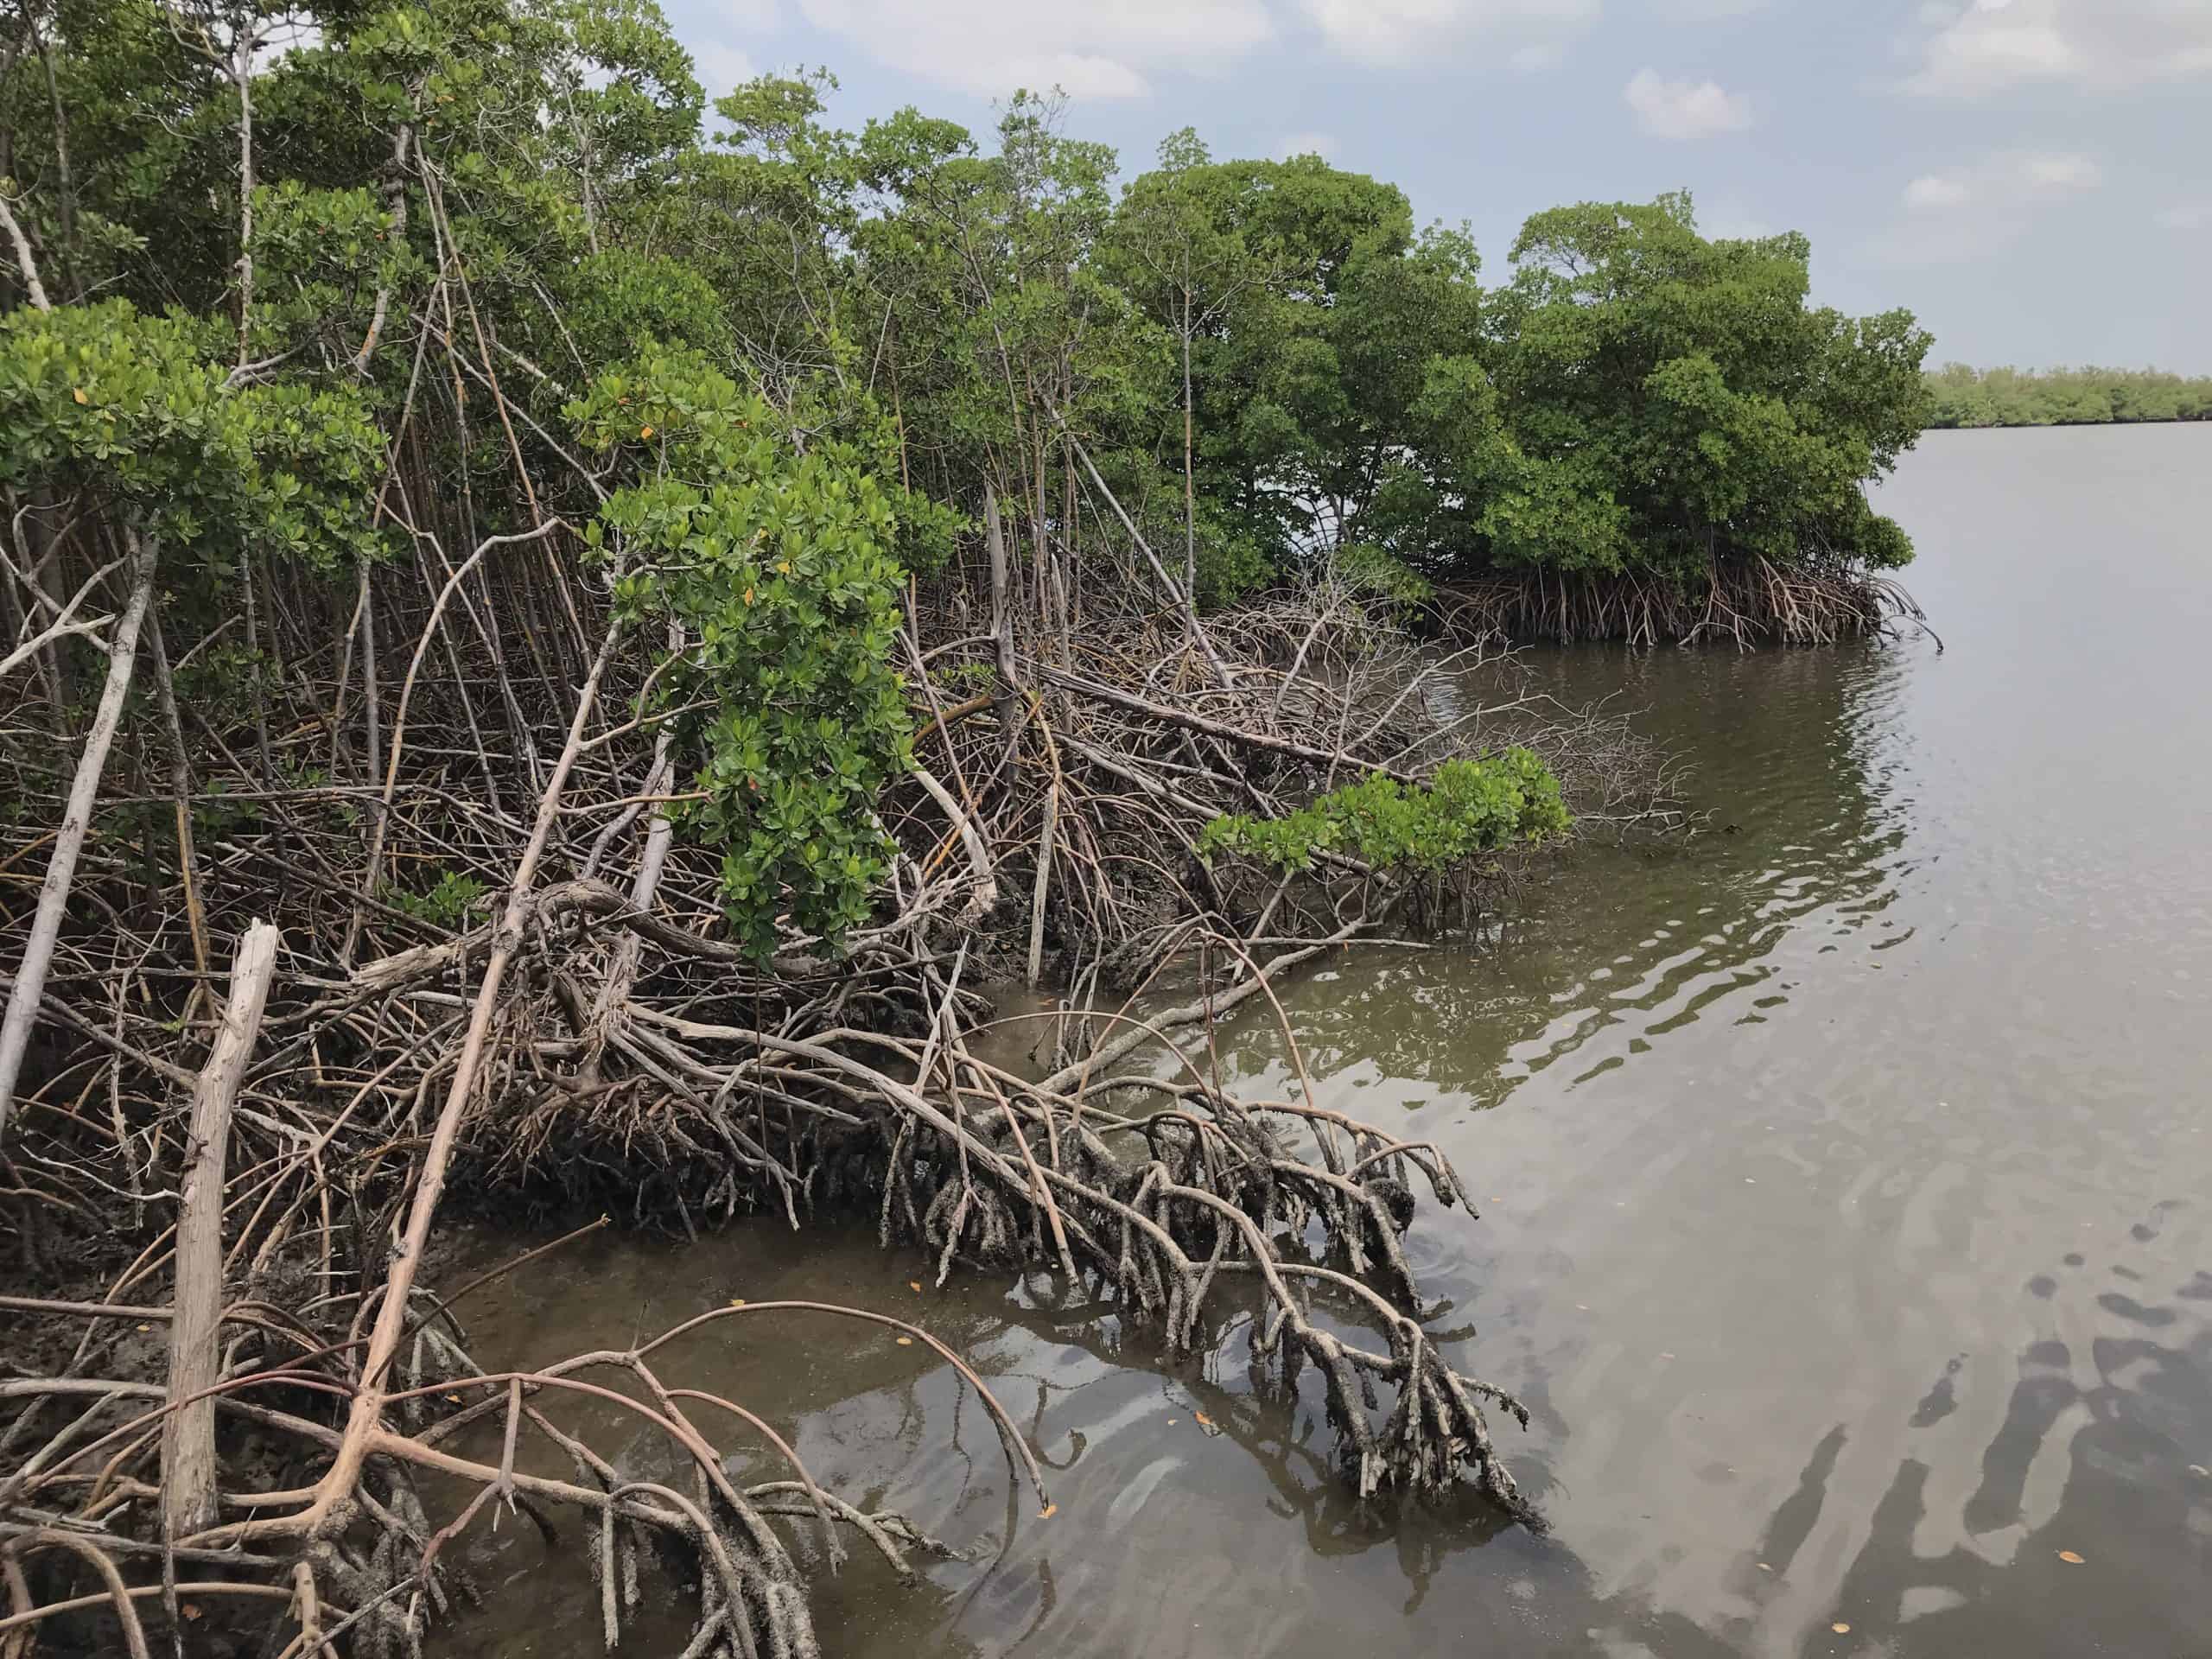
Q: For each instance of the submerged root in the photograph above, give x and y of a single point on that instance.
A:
(1190, 1207)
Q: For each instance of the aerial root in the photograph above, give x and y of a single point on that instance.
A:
(1746, 604)
(573, 1042)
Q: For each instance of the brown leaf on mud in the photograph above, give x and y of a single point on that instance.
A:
(905, 1342)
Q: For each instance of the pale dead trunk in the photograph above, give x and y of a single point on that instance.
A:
(1045, 842)
(195, 1354)
(69, 840)
(660, 834)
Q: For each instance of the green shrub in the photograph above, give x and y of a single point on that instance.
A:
(776, 560)
(1470, 807)
(447, 903)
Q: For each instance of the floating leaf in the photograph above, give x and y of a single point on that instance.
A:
(737, 1301)
(1202, 1419)
(1841, 1628)
(2070, 1557)
(1048, 1512)
(905, 1342)
(914, 1285)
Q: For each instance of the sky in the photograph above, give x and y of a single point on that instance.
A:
(2033, 178)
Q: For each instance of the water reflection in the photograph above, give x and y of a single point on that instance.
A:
(1196, 1517)
(1193, 1515)
(2088, 1461)
(1623, 945)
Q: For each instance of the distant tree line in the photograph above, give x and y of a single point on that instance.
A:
(1964, 396)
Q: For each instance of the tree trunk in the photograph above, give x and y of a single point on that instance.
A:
(1044, 843)
(242, 77)
(181, 794)
(366, 1416)
(1003, 699)
(1190, 489)
(660, 834)
(1174, 590)
(69, 840)
(195, 1354)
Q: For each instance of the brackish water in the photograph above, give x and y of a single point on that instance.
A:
(1845, 1184)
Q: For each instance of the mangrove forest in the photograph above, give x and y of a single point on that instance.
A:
(1963, 395)
(562, 642)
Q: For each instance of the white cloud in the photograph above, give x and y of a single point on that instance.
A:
(1309, 143)
(2060, 173)
(1992, 46)
(1683, 108)
(1933, 191)
(721, 68)
(1122, 49)
(1396, 31)
(1970, 211)
(991, 46)
(1704, 11)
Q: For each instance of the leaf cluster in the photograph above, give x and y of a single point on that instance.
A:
(776, 562)
(107, 408)
(1470, 808)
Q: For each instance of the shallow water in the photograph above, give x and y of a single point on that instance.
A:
(1847, 1193)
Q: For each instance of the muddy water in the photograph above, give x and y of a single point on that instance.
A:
(1847, 1193)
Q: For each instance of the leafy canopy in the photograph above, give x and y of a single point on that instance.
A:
(131, 414)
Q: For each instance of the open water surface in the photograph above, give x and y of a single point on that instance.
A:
(1845, 1177)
